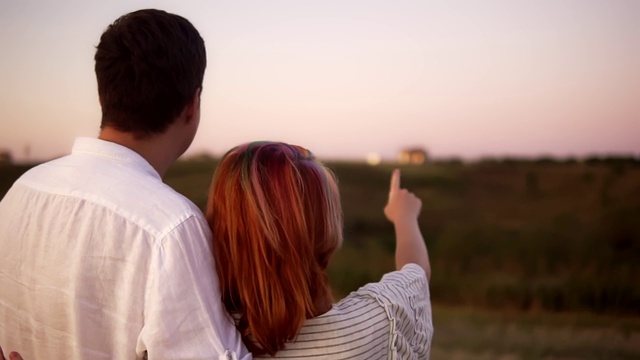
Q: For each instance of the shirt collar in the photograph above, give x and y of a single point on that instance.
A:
(111, 150)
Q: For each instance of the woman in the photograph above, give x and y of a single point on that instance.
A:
(276, 219)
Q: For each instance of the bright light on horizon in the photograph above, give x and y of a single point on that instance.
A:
(373, 159)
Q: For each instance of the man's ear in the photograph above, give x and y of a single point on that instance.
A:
(193, 106)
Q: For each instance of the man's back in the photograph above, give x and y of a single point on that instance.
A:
(100, 259)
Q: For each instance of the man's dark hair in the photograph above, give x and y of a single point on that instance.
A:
(149, 64)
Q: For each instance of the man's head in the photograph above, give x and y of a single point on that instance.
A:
(149, 66)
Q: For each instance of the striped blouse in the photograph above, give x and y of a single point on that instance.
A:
(390, 319)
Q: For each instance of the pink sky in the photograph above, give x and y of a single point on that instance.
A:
(349, 78)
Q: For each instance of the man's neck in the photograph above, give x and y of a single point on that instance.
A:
(156, 149)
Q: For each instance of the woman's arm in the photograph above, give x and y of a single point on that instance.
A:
(402, 210)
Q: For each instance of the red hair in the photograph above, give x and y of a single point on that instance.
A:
(276, 219)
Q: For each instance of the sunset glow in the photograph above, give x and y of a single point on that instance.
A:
(350, 78)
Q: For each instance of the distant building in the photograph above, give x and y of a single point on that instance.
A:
(5, 158)
(413, 156)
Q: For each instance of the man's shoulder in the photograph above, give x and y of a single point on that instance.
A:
(136, 195)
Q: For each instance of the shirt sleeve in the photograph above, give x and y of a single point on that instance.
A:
(184, 315)
(404, 294)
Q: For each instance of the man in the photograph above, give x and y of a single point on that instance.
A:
(100, 259)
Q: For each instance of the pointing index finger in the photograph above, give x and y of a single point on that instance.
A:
(395, 180)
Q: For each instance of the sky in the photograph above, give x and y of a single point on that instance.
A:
(347, 78)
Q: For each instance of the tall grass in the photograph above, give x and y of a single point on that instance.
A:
(526, 235)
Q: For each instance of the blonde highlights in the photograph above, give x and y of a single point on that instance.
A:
(276, 219)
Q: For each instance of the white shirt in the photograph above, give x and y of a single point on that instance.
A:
(99, 259)
(390, 319)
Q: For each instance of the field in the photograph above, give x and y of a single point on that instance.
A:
(473, 334)
(532, 259)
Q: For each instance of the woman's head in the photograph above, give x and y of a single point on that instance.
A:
(276, 219)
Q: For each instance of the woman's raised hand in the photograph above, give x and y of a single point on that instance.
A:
(402, 205)
(402, 210)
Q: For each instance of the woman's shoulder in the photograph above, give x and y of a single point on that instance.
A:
(392, 315)
(355, 328)
(410, 282)
(404, 297)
